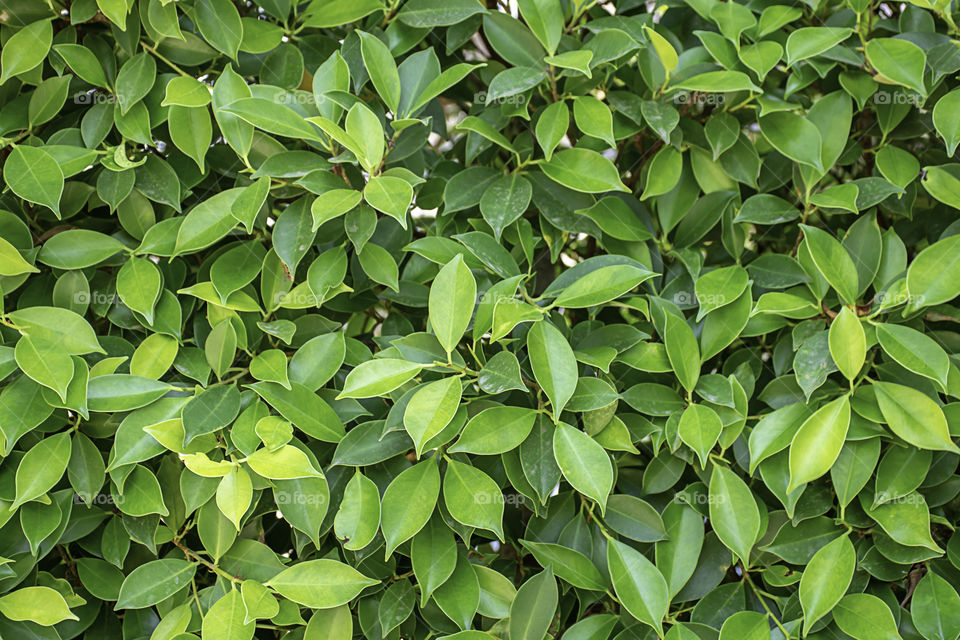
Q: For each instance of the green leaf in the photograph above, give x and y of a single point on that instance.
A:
(934, 608)
(226, 619)
(545, 19)
(677, 554)
(615, 218)
(818, 441)
(638, 584)
(358, 519)
(719, 287)
(135, 80)
(947, 126)
(495, 430)
(320, 584)
(433, 554)
(220, 24)
(380, 266)
(584, 463)
(745, 625)
(41, 605)
(472, 497)
(533, 608)
(332, 13)
(388, 194)
(154, 582)
(794, 136)
(826, 579)
(682, 350)
(552, 126)
(808, 42)
(733, 512)
(286, 463)
(382, 69)
(33, 174)
(83, 62)
(905, 520)
(865, 617)
(138, 285)
(833, 262)
(914, 351)
(408, 502)
(594, 119)
(437, 13)
(583, 170)
(272, 118)
(504, 201)
(306, 410)
(574, 567)
(665, 169)
(913, 416)
(848, 343)
(512, 82)
(451, 301)
(898, 61)
(718, 82)
(430, 409)
(928, 282)
(699, 429)
(25, 50)
(601, 286)
(378, 377)
(554, 365)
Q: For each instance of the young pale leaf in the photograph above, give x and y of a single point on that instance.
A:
(431, 409)
(320, 584)
(378, 377)
(818, 441)
(699, 429)
(913, 416)
(848, 343)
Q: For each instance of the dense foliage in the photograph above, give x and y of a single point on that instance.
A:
(517, 320)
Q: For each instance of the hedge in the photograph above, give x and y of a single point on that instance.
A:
(417, 319)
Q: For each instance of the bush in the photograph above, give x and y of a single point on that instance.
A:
(423, 319)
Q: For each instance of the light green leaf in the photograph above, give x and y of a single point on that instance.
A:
(553, 363)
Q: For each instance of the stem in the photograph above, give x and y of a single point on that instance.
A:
(160, 57)
(760, 596)
(209, 565)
